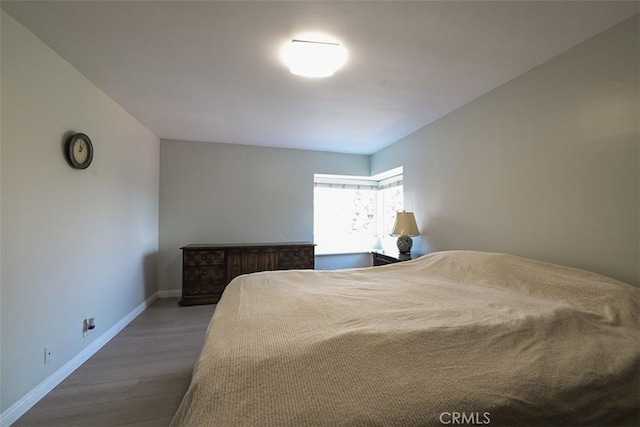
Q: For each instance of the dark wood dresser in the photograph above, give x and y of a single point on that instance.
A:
(207, 269)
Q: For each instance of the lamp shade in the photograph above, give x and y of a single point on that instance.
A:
(405, 225)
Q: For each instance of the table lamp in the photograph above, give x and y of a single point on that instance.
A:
(405, 227)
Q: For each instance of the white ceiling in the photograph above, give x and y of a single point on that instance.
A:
(210, 70)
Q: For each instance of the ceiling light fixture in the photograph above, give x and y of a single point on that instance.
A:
(314, 58)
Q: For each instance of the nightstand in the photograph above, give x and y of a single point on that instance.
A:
(382, 259)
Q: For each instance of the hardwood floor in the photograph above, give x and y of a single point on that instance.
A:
(137, 380)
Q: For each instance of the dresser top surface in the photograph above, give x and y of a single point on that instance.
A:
(243, 245)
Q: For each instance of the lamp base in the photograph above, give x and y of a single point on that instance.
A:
(404, 244)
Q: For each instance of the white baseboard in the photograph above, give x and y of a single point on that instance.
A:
(171, 293)
(19, 408)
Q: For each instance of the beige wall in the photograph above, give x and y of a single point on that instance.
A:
(74, 243)
(222, 193)
(545, 166)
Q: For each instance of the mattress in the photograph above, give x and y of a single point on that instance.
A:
(457, 337)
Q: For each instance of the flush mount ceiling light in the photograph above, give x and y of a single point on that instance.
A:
(314, 58)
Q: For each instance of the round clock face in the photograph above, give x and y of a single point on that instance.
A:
(80, 151)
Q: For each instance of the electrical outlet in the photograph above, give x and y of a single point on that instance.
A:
(88, 324)
(48, 355)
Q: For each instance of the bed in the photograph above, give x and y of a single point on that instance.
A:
(456, 337)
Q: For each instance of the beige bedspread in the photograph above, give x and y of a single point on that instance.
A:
(496, 339)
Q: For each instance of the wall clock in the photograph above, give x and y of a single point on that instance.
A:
(79, 151)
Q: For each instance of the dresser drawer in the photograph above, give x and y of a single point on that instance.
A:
(296, 265)
(213, 257)
(295, 258)
(204, 273)
(295, 255)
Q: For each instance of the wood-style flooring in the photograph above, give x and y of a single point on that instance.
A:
(137, 379)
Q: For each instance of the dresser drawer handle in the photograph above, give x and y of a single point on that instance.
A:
(205, 272)
(296, 253)
(204, 257)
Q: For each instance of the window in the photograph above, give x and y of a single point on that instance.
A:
(353, 213)
(392, 202)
